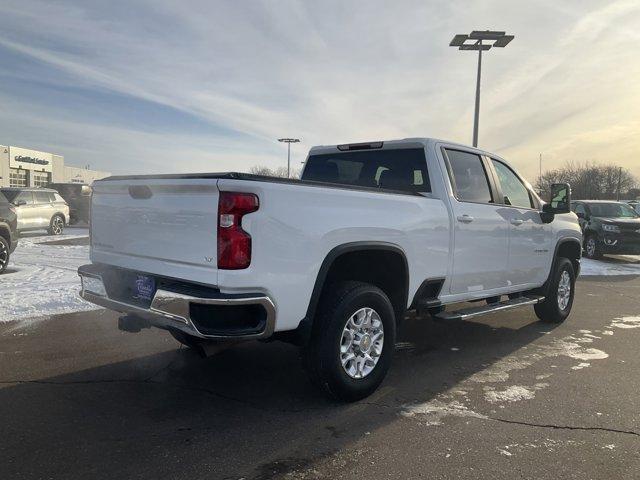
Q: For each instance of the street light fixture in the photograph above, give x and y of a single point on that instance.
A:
(474, 41)
(289, 141)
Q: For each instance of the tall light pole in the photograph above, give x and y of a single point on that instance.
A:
(540, 177)
(474, 41)
(289, 141)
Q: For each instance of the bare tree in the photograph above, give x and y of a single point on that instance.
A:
(279, 172)
(591, 181)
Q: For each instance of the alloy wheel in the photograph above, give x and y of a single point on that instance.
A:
(564, 290)
(4, 255)
(361, 343)
(57, 226)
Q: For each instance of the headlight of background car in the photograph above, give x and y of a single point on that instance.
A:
(611, 228)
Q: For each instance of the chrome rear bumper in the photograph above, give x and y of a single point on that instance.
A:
(171, 310)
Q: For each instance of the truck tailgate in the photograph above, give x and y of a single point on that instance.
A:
(157, 225)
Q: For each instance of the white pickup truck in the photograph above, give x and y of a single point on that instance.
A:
(334, 260)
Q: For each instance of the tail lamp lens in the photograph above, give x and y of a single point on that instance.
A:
(234, 244)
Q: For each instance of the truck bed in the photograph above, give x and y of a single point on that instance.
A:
(255, 178)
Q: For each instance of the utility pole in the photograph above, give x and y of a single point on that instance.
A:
(540, 176)
(289, 141)
(500, 40)
(476, 116)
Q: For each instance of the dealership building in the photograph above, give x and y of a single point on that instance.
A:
(22, 167)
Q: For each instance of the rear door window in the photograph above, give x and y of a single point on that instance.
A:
(403, 169)
(470, 181)
(42, 197)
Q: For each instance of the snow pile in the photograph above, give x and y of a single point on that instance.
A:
(572, 347)
(580, 366)
(514, 393)
(434, 411)
(42, 279)
(619, 265)
(626, 322)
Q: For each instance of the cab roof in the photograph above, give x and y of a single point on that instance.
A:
(391, 144)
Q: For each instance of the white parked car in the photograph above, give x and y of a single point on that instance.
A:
(38, 209)
(333, 261)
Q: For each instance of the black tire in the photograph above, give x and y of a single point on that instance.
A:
(56, 225)
(4, 254)
(322, 356)
(551, 310)
(591, 248)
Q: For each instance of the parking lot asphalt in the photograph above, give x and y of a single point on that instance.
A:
(502, 397)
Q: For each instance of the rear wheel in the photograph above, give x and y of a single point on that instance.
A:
(4, 254)
(557, 305)
(591, 249)
(56, 225)
(352, 342)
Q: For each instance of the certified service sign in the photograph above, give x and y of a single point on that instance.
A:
(30, 159)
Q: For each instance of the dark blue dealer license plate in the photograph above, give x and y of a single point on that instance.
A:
(144, 288)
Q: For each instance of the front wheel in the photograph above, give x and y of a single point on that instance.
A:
(56, 226)
(352, 341)
(591, 249)
(4, 254)
(557, 305)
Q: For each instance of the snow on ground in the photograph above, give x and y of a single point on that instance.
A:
(618, 265)
(42, 279)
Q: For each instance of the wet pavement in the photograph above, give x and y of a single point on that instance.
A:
(501, 397)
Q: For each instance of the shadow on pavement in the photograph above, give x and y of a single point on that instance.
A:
(248, 412)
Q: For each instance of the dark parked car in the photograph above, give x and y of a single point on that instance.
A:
(78, 196)
(8, 234)
(608, 227)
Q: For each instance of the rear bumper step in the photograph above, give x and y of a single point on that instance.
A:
(219, 317)
(467, 313)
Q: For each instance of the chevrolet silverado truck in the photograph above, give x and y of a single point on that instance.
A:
(334, 260)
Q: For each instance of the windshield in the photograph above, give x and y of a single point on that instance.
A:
(613, 210)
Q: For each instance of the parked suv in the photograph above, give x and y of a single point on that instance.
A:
(8, 233)
(608, 227)
(38, 208)
(78, 196)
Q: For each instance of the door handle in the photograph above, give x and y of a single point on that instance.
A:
(516, 221)
(465, 218)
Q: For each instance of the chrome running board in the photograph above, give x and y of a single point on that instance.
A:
(471, 312)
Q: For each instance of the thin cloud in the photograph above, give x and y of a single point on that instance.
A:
(327, 72)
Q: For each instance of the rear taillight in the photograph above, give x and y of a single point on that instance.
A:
(234, 244)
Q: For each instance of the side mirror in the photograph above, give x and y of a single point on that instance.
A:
(560, 202)
(19, 203)
(560, 198)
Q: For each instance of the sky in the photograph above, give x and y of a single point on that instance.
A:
(176, 86)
